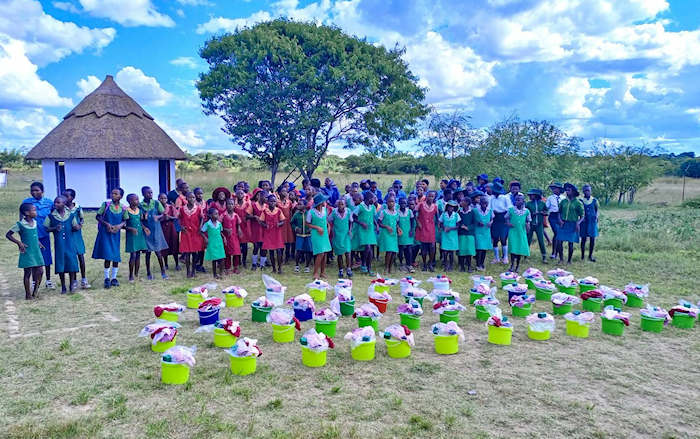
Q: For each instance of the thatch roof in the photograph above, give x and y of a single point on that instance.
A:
(107, 124)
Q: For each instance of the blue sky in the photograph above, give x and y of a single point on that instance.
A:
(619, 71)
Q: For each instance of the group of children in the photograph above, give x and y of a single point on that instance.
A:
(310, 223)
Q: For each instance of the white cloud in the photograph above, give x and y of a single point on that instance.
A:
(20, 85)
(186, 138)
(127, 12)
(221, 24)
(24, 128)
(87, 85)
(47, 39)
(185, 61)
(66, 6)
(180, 13)
(144, 89)
(195, 2)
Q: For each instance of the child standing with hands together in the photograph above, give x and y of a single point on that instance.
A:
(30, 257)
(110, 219)
(272, 221)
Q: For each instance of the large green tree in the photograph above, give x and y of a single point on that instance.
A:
(289, 90)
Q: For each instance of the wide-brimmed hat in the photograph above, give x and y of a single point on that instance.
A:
(573, 188)
(556, 184)
(255, 192)
(215, 194)
(452, 203)
(397, 182)
(535, 191)
(319, 199)
(498, 180)
(483, 177)
(498, 189)
(514, 182)
(476, 193)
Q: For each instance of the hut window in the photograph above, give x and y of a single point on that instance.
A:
(60, 177)
(112, 176)
(164, 176)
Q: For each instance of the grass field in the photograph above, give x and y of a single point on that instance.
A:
(72, 366)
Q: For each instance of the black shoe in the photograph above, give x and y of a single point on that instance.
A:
(591, 258)
(115, 282)
(200, 269)
(107, 284)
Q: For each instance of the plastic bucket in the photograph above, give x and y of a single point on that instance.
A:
(243, 365)
(223, 338)
(367, 321)
(500, 335)
(568, 290)
(634, 301)
(530, 283)
(162, 347)
(233, 301)
(474, 296)
(575, 329)
(208, 317)
(446, 344)
(449, 316)
(505, 282)
(552, 278)
(616, 303)
(303, 314)
(521, 312)
(481, 314)
(380, 303)
(410, 321)
(594, 305)
(311, 358)
(538, 335)
(283, 333)
(684, 321)
(543, 294)
(397, 349)
(363, 351)
(612, 326)
(560, 310)
(317, 294)
(347, 308)
(326, 327)
(174, 373)
(169, 316)
(259, 314)
(276, 297)
(417, 299)
(584, 287)
(193, 300)
(652, 324)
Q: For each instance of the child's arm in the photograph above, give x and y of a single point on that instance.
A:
(22, 246)
(240, 232)
(507, 218)
(47, 226)
(399, 232)
(146, 231)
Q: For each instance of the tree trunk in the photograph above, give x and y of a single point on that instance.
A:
(273, 174)
(630, 195)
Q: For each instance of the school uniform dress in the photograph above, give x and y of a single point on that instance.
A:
(319, 243)
(77, 235)
(303, 237)
(135, 242)
(482, 234)
(256, 230)
(441, 203)
(272, 235)
(589, 226)
(171, 230)
(241, 210)
(388, 242)
(190, 239)
(538, 210)
(232, 243)
(106, 243)
(517, 235)
(155, 242)
(32, 256)
(467, 245)
(341, 224)
(215, 243)
(218, 206)
(425, 234)
(287, 207)
(552, 205)
(449, 241)
(65, 255)
(500, 206)
(44, 206)
(570, 211)
(406, 225)
(365, 214)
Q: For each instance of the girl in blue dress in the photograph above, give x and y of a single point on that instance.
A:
(589, 227)
(110, 222)
(153, 212)
(61, 222)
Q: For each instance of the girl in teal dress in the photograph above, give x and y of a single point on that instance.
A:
(467, 248)
(389, 232)
(61, 222)
(449, 239)
(110, 220)
(214, 242)
(153, 212)
(317, 221)
(407, 238)
(356, 253)
(341, 223)
(135, 234)
(77, 235)
(483, 215)
(30, 257)
(518, 220)
(367, 235)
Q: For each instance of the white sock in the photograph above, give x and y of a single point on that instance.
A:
(255, 259)
(263, 260)
(496, 253)
(115, 270)
(85, 279)
(505, 251)
(106, 273)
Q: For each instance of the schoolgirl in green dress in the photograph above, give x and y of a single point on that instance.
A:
(483, 215)
(30, 257)
(214, 242)
(467, 225)
(389, 232)
(341, 225)
(407, 238)
(61, 222)
(518, 220)
(449, 239)
(153, 212)
(110, 220)
(317, 221)
(364, 217)
(77, 235)
(135, 234)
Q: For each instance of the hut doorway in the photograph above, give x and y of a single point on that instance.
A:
(164, 176)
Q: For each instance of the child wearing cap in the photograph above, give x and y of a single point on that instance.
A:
(538, 212)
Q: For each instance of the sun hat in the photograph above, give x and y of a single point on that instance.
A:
(535, 191)
(452, 203)
(556, 184)
(215, 194)
(498, 189)
(572, 187)
(319, 199)
(476, 193)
